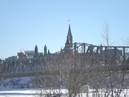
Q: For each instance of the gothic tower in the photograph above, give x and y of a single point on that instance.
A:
(45, 50)
(69, 40)
(36, 49)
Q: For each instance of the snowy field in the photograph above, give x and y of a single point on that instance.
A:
(30, 93)
(64, 92)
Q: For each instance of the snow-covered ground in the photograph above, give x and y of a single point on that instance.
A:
(31, 92)
(36, 93)
(19, 95)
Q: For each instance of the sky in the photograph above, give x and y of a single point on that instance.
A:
(26, 23)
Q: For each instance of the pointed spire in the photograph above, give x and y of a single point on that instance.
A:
(36, 49)
(69, 40)
(45, 49)
(69, 36)
(69, 31)
(49, 52)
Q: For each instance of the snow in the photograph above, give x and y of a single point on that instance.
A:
(31, 92)
(36, 92)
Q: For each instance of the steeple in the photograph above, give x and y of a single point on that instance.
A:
(36, 49)
(45, 50)
(69, 40)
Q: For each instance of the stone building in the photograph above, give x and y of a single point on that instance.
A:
(75, 58)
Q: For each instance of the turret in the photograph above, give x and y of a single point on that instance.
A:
(36, 49)
(45, 50)
(49, 52)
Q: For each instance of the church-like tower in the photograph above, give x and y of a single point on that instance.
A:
(69, 40)
(36, 49)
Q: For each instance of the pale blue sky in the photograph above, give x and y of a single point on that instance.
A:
(24, 23)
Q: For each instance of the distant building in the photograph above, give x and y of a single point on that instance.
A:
(81, 55)
(30, 54)
(11, 59)
(21, 55)
(69, 41)
(33, 59)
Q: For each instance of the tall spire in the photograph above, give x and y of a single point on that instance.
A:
(69, 36)
(69, 40)
(45, 50)
(69, 31)
(36, 49)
